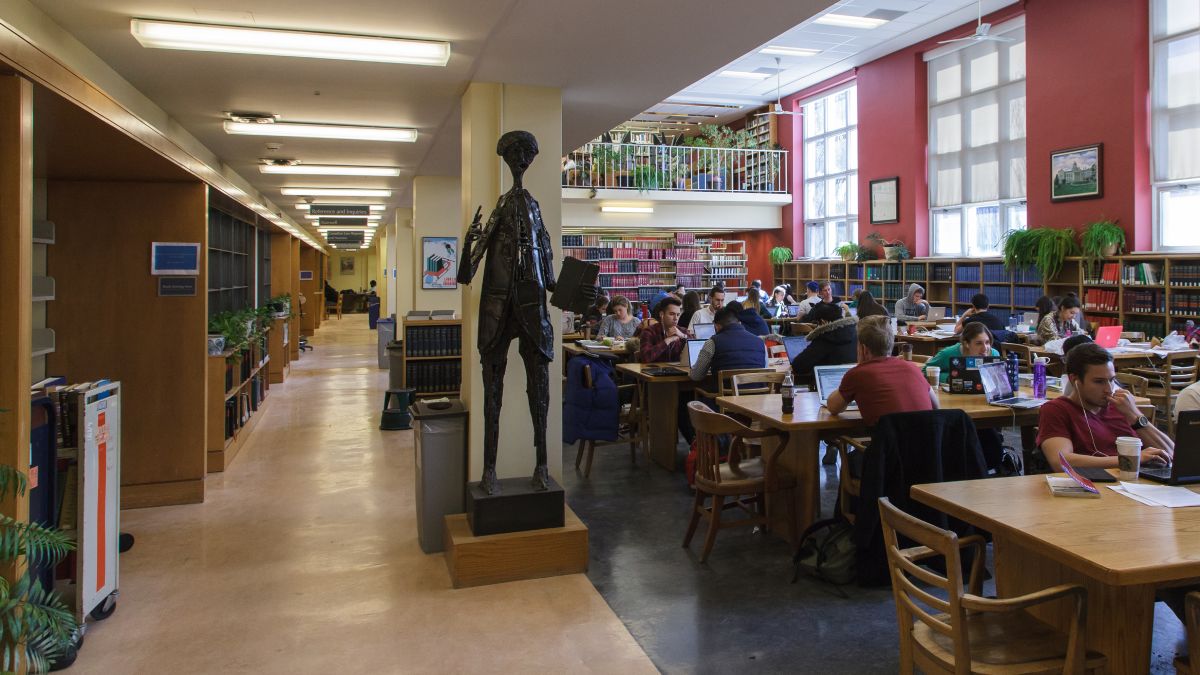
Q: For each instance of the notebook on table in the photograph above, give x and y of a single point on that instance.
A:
(1186, 467)
(703, 331)
(828, 379)
(999, 391)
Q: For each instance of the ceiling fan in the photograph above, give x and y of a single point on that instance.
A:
(981, 30)
(776, 108)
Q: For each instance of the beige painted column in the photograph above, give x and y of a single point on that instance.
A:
(406, 272)
(489, 110)
(436, 202)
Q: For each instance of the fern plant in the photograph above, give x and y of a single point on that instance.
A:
(780, 255)
(36, 627)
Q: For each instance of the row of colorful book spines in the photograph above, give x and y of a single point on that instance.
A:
(423, 341)
(1101, 300)
(430, 377)
(239, 408)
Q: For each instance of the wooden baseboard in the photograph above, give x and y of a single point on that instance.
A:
(219, 460)
(144, 495)
(497, 558)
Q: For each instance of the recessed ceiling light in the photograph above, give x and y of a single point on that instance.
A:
(373, 216)
(303, 206)
(370, 227)
(847, 21)
(627, 209)
(779, 50)
(272, 42)
(744, 75)
(335, 192)
(336, 131)
(329, 170)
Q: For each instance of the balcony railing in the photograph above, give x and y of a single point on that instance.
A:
(676, 168)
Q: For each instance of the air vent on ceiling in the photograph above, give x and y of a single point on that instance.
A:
(250, 117)
(271, 161)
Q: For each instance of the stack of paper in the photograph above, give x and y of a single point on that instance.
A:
(1158, 495)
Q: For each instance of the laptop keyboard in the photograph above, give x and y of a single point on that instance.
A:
(1163, 472)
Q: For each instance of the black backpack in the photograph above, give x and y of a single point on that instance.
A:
(827, 552)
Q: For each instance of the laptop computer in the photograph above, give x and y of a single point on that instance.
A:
(1186, 467)
(999, 391)
(828, 378)
(703, 331)
(793, 310)
(691, 352)
(1107, 336)
(1030, 318)
(964, 373)
(936, 313)
(794, 345)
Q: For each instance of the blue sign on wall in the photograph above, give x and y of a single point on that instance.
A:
(174, 258)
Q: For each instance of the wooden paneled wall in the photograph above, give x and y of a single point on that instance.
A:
(282, 273)
(110, 323)
(310, 260)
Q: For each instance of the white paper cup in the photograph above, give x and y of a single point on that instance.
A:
(933, 374)
(1129, 455)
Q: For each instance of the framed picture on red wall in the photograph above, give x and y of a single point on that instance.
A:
(1076, 173)
(885, 200)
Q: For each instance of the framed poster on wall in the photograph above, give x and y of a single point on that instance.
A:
(439, 263)
(1075, 173)
(885, 200)
(347, 263)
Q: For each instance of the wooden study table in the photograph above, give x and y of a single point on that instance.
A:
(927, 345)
(1121, 359)
(575, 349)
(1118, 549)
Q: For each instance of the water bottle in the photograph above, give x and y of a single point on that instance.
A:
(1013, 366)
(787, 391)
(1039, 377)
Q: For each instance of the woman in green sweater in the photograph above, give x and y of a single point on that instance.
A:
(976, 340)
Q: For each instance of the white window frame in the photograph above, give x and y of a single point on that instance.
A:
(1006, 206)
(1158, 187)
(829, 223)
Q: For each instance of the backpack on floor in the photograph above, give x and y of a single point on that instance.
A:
(827, 552)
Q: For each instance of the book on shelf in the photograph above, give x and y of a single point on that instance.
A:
(418, 315)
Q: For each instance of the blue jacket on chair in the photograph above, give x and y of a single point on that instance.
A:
(590, 414)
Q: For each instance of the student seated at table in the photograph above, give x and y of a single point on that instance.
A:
(621, 323)
(1084, 426)
(912, 307)
(664, 341)
(750, 318)
(691, 305)
(881, 384)
(599, 309)
(716, 300)
(754, 301)
(978, 313)
(811, 298)
(868, 306)
(976, 340)
(732, 347)
(778, 304)
(1189, 399)
(833, 342)
(1061, 322)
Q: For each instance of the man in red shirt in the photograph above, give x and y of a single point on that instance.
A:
(664, 341)
(882, 384)
(1085, 425)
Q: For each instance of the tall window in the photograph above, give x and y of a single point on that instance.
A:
(830, 171)
(1175, 29)
(977, 143)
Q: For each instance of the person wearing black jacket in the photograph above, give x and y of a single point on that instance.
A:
(979, 312)
(833, 342)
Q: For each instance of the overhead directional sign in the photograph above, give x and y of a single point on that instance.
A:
(339, 209)
(344, 237)
(334, 222)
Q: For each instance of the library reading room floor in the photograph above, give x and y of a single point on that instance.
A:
(304, 559)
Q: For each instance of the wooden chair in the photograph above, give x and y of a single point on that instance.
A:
(1178, 371)
(724, 381)
(1183, 664)
(1023, 352)
(921, 358)
(745, 482)
(1134, 384)
(959, 633)
(1133, 336)
(757, 383)
(630, 419)
(339, 306)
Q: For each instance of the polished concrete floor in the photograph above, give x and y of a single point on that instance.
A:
(303, 559)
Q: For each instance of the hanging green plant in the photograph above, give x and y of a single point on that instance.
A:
(1043, 247)
(780, 255)
(1102, 239)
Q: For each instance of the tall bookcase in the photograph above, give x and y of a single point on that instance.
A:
(758, 171)
(639, 266)
(433, 356)
(237, 390)
(1155, 294)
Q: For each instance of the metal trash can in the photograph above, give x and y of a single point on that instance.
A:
(386, 329)
(440, 444)
(395, 354)
(373, 313)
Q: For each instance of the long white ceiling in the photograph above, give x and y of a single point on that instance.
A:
(611, 60)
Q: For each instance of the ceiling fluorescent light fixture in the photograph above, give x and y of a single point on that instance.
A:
(335, 192)
(329, 170)
(627, 209)
(345, 132)
(848, 21)
(744, 75)
(779, 50)
(373, 216)
(303, 206)
(200, 37)
(335, 228)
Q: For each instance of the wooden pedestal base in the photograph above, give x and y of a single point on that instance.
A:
(512, 556)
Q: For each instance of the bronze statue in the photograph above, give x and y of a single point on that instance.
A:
(513, 304)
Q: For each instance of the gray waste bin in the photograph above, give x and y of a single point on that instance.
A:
(395, 353)
(386, 328)
(441, 462)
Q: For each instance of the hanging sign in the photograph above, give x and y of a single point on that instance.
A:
(168, 257)
(334, 222)
(344, 237)
(338, 210)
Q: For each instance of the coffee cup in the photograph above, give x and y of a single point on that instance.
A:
(1129, 456)
(906, 351)
(933, 374)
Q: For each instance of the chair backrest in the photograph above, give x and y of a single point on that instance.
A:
(921, 358)
(1192, 614)
(709, 425)
(1134, 384)
(1180, 369)
(1133, 336)
(762, 383)
(1023, 352)
(911, 583)
(725, 378)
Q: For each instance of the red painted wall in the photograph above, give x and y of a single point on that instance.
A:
(1105, 100)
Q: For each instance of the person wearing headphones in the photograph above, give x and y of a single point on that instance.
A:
(1084, 426)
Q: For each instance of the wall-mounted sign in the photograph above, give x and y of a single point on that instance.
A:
(306, 275)
(440, 255)
(176, 286)
(344, 237)
(339, 210)
(174, 258)
(348, 220)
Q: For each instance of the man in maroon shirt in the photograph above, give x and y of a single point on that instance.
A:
(1085, 425)
(882, 384)
(664, 341)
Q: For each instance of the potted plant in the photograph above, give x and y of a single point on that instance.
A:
(604, 164)
(1044, 248)
(1101, 239)
(39, 629)
(647, 177)
(892, 250)
(281, 306)
(850, 252)
(780, 255)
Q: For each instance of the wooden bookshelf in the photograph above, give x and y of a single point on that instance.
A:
(237, 393)
(639, 266)
(1154, 294)
(433, 357)
(278, 340)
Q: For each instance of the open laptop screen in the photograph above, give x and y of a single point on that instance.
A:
(995, 381)
(828, 378)
(693, 351)
(794, 345)
(704, 331)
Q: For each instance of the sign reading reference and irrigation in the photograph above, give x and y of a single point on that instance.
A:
(344, 237)
(339, 210)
